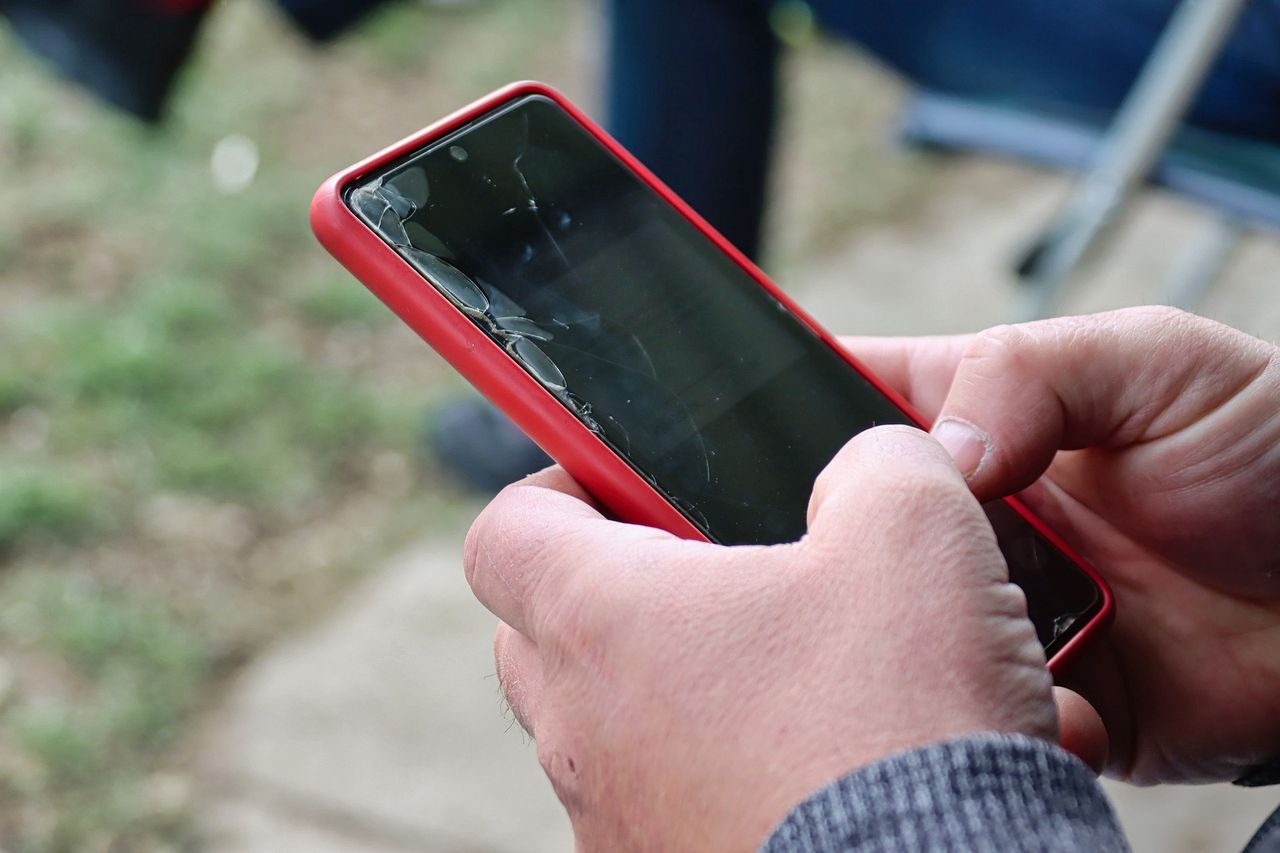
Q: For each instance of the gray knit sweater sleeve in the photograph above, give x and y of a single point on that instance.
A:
(982, 793)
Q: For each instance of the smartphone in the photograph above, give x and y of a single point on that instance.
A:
(660, 367)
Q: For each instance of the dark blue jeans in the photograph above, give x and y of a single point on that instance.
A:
(693, 83)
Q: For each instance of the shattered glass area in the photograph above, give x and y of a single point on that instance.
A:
(657, 342)
(598, 308)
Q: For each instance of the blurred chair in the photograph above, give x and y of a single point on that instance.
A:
(1236, 179)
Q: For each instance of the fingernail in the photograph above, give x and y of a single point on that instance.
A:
(967, 444)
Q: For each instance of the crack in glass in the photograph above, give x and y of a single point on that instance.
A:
(649, 336)
(389, 205)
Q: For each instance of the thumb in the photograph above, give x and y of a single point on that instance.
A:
(1022, 393)
(891, 480)
(909, 546)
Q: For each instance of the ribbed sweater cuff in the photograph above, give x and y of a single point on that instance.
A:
(982, 793)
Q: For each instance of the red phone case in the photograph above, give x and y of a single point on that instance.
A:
(626, 495)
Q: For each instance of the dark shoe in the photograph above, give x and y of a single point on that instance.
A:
(481, 448)
(325, 19)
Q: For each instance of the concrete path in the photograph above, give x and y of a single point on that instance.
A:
(380, 729)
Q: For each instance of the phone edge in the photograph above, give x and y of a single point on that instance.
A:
(608, 478)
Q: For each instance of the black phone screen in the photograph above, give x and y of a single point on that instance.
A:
(659, 342)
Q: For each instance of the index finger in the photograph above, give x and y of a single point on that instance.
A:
(1115, 380)
(920, 369)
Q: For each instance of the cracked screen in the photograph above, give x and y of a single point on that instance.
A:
(656, 340)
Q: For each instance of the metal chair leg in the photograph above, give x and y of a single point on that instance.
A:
(1202, 262)
(1146, 120)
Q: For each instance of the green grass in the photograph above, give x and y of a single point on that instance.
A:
(45, 505)
(170, 386)
(169, 341)
(163, 344)
(137, 671)
(332, 301)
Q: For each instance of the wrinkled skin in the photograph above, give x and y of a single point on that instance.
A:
(1161, 435)
(684, 696)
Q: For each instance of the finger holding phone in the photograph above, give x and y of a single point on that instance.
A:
(689, 396)
(1183, 414)
(1160, 432)
(661, 369)
(685, 695)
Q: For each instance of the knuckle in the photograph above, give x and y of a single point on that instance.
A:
(1162, 316)
(930, 487)
(997, 340)
(1155, 328)
(471, 549)
(567, 602)
(494, 534)
(894, 440)
(941, 489)
(898, 480)
(1009, 601)
(480, 539)
(1000, 350)
(895, 452)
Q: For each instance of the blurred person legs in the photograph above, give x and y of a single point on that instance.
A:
(129, 52)
(126, 52)
(732, 44)
(326, 19)
(693, 83)
(693, 93)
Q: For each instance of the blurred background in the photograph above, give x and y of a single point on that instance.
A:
(231, 610)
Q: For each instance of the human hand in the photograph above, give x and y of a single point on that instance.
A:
(1161, 435)
(685, 696)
